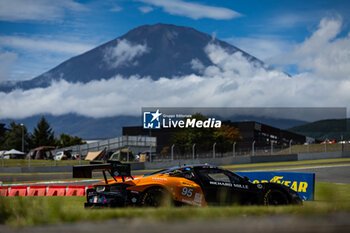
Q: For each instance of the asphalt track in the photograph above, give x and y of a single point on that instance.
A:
(335, 222)
(325, 172)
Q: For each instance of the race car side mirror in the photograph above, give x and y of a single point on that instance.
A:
(245, 179)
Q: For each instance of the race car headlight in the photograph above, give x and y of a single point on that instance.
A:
(100, 189)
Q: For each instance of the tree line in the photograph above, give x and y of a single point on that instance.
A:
(42, 135)
(224, 137)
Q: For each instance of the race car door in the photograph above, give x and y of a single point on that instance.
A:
(216, 185)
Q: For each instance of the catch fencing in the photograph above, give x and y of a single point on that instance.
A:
(174, 152)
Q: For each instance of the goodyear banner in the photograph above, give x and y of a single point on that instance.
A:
(303, 183)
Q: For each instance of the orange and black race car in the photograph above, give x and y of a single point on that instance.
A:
(196, 185)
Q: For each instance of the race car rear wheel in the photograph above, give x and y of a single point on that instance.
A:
(155, 197)
(275, 197)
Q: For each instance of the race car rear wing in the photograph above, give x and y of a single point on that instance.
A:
(114, 168)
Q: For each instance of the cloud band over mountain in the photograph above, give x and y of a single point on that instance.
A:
(231, 81)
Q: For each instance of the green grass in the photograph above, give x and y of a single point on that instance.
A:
(314, 148)
(28, 211)
(290, 163)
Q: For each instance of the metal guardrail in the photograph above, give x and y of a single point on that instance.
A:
(136, 143)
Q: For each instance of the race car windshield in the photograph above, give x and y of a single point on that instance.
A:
(155, 173)
(163, 171)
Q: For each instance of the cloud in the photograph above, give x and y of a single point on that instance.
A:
(116, 9)
(44, 45)
(197, 65)
(7, 59)
(324, 53)
(289, 20)
(193, 10)
(124, 53)
(37, 10)
(263, 47)
(145, 9)
(232, 81)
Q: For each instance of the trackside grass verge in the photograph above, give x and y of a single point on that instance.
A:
(28, 211)
(319, 162)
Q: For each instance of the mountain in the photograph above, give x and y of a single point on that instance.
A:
(321, 130)
(160, 50)
(154, 51)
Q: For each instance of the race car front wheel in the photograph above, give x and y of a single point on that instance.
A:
(155, 197)
(275, 197)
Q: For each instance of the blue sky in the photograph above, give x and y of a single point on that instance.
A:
(37, 35)
(308, 39)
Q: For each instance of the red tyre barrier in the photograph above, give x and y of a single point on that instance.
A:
(18, 191)
(56, 190)
(37, 190)
(44, 190)
(4, 191)
(76, 190)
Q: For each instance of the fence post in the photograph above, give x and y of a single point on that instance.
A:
(253, 151)
(150, 154)
(172, 152)
(271, 147)
(193, 148)
(234, 149)
(325, 146)
(214, 149)
(80, 155)
(127, 155)
(290, 146)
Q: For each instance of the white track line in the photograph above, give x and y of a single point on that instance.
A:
(273, 169)
(300, 168)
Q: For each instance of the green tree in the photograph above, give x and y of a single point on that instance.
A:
(67, 140)
(13, 138)
(225, 137)
(204, 138)
(43, 134)
(2, 135)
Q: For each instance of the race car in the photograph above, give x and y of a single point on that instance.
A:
(195, 185)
